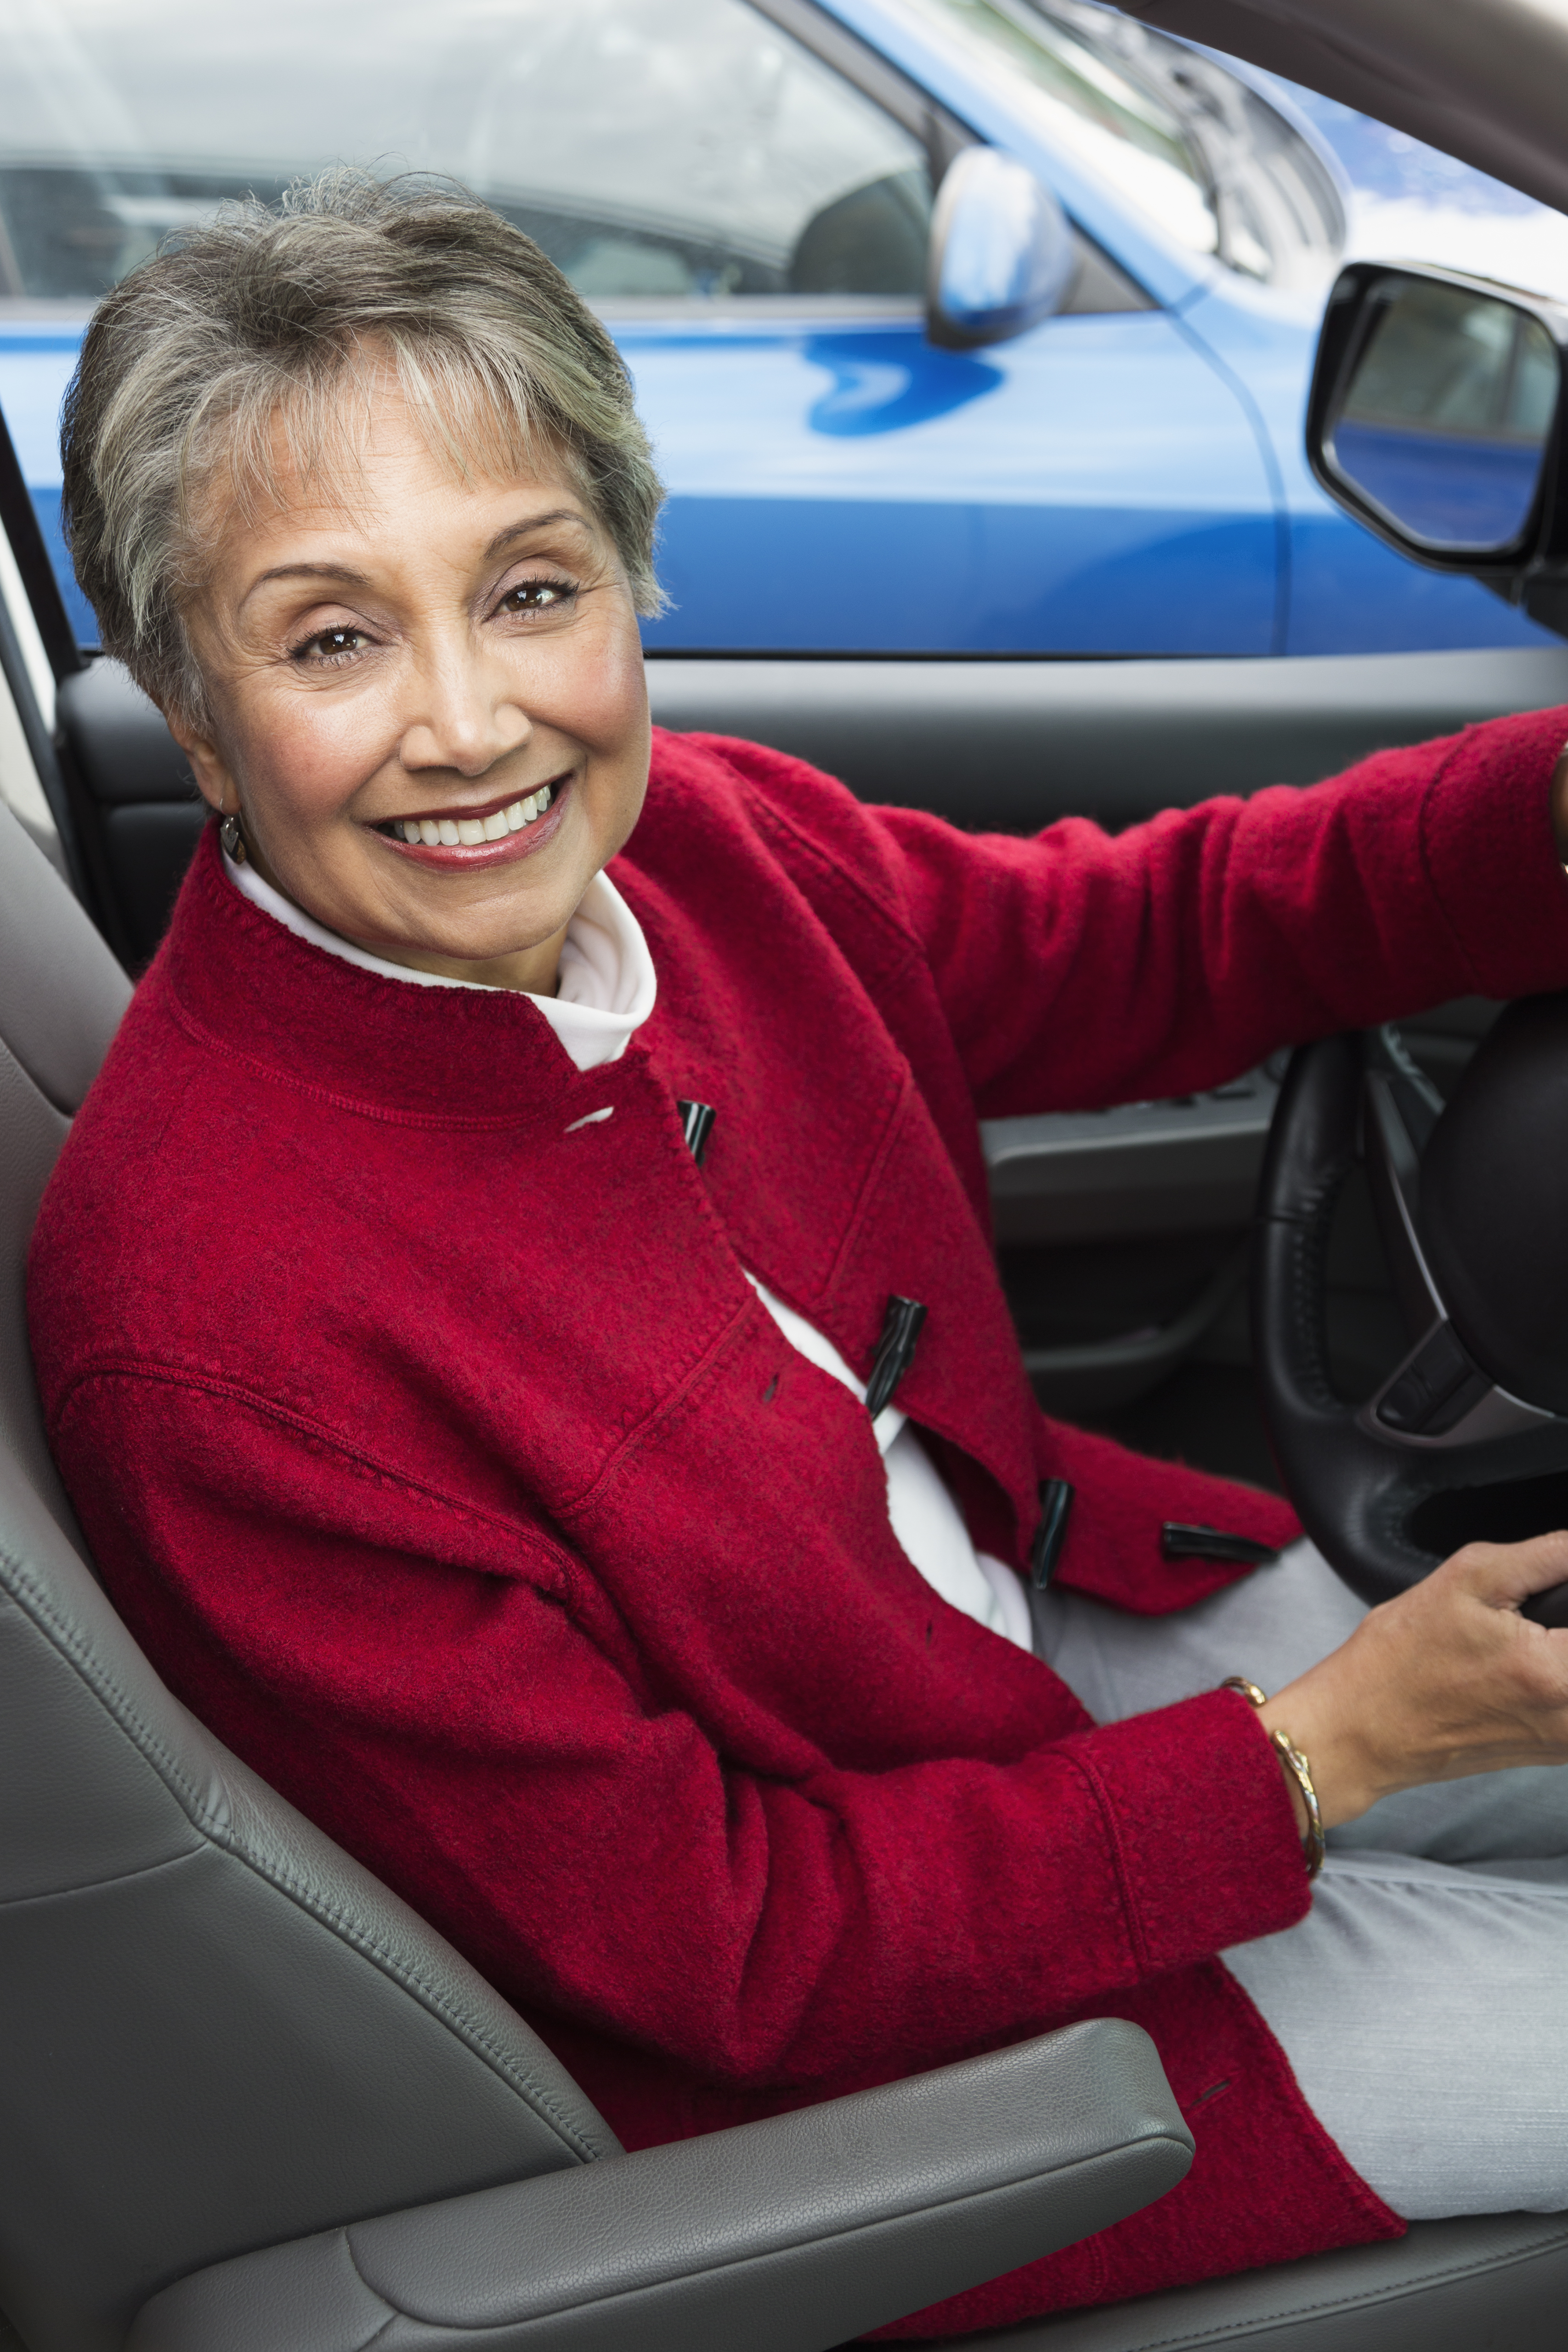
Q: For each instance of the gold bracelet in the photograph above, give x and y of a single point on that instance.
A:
(1313, 1841)
(1297, 1765)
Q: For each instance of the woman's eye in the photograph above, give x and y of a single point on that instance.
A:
(331, 645)
(538, 596)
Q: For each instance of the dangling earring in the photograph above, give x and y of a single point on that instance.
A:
(232, 838)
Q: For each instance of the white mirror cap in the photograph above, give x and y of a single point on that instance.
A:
(1002, 253)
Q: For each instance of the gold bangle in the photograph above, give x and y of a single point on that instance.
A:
(1297, 1763)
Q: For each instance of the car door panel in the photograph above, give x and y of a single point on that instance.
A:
(1009, 746)
(1095, 486)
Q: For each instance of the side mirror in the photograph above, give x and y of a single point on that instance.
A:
(1001, 256)
(1435, 418)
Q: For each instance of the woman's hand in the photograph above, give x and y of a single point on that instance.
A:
(1445, 1680)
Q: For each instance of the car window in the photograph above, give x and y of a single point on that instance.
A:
(1194, 145)
(662, 152)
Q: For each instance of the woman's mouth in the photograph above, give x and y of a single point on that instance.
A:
(492, 836)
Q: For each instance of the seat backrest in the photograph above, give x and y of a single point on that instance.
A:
(218, 2031)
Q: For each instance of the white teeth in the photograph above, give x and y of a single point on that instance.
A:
(470, 830)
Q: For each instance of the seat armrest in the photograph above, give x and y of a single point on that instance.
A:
(789, 2235)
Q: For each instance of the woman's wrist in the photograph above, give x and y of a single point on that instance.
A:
(1342, 1770)
(1327, 1780)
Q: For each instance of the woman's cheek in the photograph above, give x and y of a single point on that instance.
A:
(316, 763)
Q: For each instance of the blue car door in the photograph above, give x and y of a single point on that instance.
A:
(1092, 488)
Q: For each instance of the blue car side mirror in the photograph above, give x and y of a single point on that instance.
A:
(1001, 256)
(1435, 418)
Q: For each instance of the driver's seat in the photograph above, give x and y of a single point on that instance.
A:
(252, 2104)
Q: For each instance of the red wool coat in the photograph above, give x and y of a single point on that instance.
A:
(436, 1449)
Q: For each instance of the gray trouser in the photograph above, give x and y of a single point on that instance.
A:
(1418, 2001)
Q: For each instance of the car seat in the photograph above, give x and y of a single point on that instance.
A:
(252, 2104)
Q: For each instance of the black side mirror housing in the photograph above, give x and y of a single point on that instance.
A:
(1435, 418)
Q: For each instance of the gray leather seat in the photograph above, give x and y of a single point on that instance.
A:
(252, 2104)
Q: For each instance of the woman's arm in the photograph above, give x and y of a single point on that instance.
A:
(1077, 969)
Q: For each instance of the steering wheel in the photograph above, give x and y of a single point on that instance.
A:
(1467, 1437)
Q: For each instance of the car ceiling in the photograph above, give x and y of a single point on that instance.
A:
(1482, 79)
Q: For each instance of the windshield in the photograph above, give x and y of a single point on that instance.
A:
(1195, 146)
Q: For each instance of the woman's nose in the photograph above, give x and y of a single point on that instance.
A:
(463, 716)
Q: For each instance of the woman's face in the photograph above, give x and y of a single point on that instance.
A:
(429, 708)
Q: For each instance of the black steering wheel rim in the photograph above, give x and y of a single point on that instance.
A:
(1384, 1503)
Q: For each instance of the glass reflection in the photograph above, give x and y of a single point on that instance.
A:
(671, 154)
(1447, 416)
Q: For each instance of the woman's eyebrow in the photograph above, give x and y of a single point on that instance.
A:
(306, 572)
(504, 538)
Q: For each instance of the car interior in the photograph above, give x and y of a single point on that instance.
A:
(252, 2103)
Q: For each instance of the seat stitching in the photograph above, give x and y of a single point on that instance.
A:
(392, 2314)
(28, 1594)
(96, 1885)
(408, 1977)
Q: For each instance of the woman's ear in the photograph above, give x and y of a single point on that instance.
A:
(214, 780)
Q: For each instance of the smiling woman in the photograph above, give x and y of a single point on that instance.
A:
(516, 1315)
(428, 722)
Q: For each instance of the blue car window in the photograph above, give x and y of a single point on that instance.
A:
(668, 153)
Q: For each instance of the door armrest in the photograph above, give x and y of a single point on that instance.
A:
(789, 2235)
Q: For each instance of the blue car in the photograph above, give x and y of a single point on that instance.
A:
(961, 326)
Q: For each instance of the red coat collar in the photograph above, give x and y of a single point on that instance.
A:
(252, 989)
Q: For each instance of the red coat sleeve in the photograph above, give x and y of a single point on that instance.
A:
(453, 1697)
(1077, 969)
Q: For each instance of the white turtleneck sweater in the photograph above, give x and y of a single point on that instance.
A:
(606, 993)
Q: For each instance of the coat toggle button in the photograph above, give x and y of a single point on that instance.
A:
(696, 1125)
(1055, 1502)
(895, 1351)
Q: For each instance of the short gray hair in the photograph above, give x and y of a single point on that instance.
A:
(193, 364)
